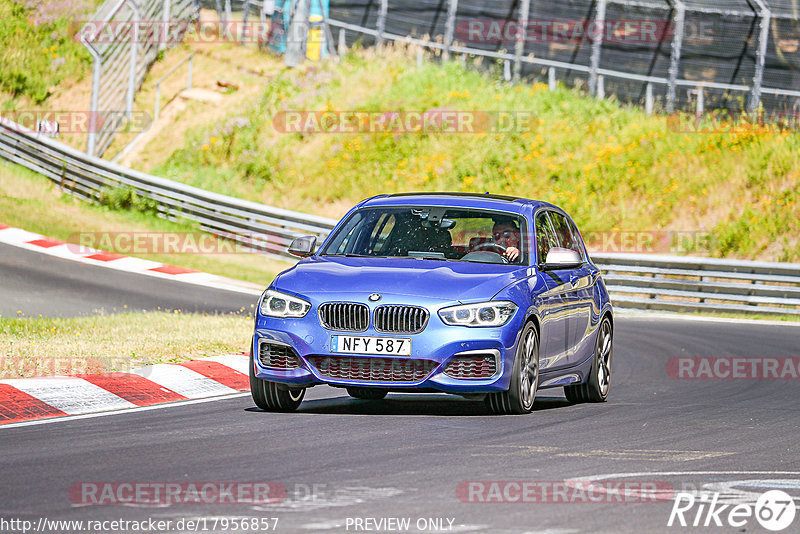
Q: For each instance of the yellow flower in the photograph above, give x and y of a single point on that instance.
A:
(205, 147)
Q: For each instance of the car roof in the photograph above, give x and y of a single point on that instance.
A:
(464, 200)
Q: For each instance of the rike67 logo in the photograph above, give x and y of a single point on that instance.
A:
(774, 510)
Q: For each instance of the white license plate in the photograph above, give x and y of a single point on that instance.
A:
(371, 345)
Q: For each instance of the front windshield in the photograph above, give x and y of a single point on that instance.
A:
(433, 233)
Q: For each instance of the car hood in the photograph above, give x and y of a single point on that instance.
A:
(445, 280)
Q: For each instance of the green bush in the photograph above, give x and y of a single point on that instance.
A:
(37, 46)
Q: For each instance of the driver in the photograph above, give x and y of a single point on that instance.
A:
(506, 234)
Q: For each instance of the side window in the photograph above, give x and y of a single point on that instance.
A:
(380, 234)
(576, 235)
(545, 240)
(346, 238)
(563, 231)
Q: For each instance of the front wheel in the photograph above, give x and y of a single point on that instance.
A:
(596, 388)
(519, 397)
(271, 396)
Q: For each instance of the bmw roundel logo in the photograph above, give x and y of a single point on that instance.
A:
(375, 297)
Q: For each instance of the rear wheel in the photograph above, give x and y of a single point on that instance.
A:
(519, 397)
(596, 388)
(271, 396)
(367, 393)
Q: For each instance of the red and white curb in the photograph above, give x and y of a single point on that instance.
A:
(29, 399)
(39, 243)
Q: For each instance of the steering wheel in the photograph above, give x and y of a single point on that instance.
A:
(497, 248)
(493, 247)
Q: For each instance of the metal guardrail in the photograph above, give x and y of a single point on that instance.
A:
(257, 226)
(634, 281)
(678, 283)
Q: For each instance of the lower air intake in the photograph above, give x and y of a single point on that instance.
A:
(472, 366)
(372, 369)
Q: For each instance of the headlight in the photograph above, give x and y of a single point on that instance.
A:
(480, 314)
(275, 304)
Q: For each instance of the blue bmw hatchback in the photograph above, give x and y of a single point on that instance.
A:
(483, 296)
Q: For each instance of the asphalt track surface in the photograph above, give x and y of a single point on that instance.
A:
(343, 460)
(36, 283)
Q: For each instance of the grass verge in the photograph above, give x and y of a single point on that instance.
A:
(119, 342)
(39, 51)
(30, 201)
(612, 167)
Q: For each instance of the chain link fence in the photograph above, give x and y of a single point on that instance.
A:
(667, 55)
(124, 38)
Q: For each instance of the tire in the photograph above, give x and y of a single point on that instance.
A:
(367, 393)
(521, 393)
(596, 388)
(271, 396)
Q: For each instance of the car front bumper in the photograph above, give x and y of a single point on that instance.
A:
(437, 343)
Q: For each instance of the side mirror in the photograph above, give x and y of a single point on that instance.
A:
(562, 258)
(303, 246)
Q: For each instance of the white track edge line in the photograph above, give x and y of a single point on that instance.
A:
(124, 410)
(650, 315)
(155, 274)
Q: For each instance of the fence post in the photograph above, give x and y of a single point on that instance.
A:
(165, 16)
(600, 24)
(601, 87)
(675, 54)
(450, 27)
(157, 108)
(551, 78)
(519, 48)
(700, 104)
(763, 37)
(132, 73)
(298, 33)
(648, 98)
(97, 68)
(507, 70)
(384, 8)
(342, 42)
(244, 21)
